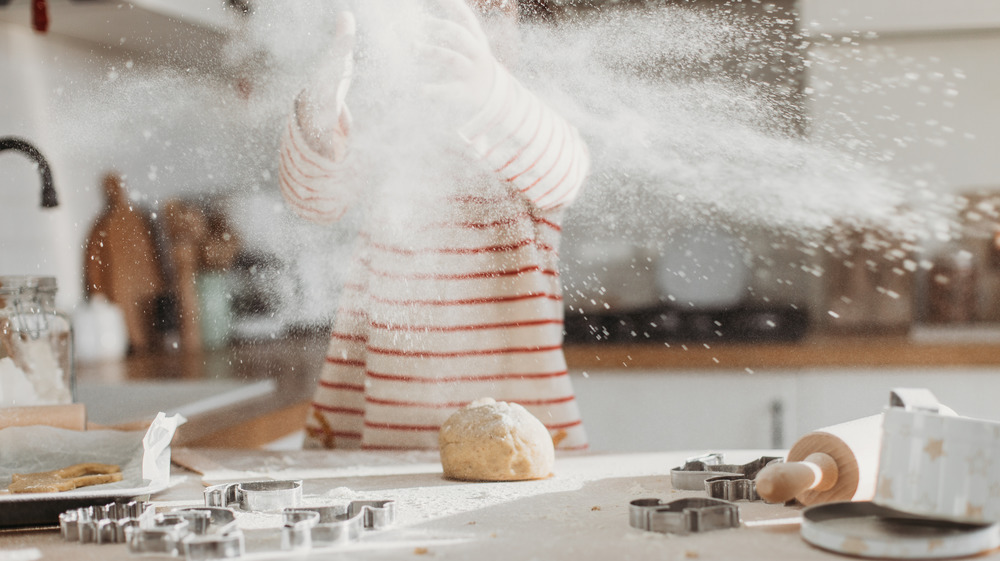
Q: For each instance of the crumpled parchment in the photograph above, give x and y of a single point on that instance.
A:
(143, 456)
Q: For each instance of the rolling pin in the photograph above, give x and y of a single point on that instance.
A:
(837, 463)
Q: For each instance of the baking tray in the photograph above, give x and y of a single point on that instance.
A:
(43, 509)
(144, 458)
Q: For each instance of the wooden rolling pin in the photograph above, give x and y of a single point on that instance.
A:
(838, 463)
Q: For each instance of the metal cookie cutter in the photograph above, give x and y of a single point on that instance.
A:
(683, 516)
(694, 473)
(103, 524)
(307, 528)
(733, 487)
(256, 496)
(199, 533)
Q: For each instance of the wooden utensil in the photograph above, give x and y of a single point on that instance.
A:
(122, 262)
(837, 463)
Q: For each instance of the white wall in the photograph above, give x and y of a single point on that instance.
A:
(90, 109)
(36, 240)
(919, 79)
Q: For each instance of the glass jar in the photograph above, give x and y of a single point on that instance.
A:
(36, 344)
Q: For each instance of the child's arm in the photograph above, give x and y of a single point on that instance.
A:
(528, 144)
(316, 172)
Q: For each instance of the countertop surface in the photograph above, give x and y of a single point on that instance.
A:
(579, 513)
(291, 367)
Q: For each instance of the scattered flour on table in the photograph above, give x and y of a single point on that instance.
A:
(29, 554)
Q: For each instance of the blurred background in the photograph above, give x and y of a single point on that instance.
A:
(789, 199)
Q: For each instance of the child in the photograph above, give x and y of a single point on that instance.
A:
(454, 293)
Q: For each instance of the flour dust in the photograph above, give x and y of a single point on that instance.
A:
(694, 114)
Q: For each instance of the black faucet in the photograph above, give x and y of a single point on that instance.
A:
(49, 199)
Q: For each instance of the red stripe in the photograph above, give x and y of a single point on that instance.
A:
(288, 164)
(454, 354)
(480, 200)
(349, 337)
(573, 448)
(452, 250)
(552, 225)
(465, 276)
(391, 403)
(309, 211)
(534, 136)
(345, 362)
(390, 448)
(538, 159)
(408, 428)
(517, 94)
(569, 170)
(435, 428)
(503, 222)
(469, 301)
(342, 386)
(571, 424)
(562, 147)
(574, 164)
(460, 404)
(539, 402)
(340, 410)
(319, 431)
(301, 152)
(449, 328)
(481, 378)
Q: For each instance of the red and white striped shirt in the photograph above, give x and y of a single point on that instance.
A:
(454, 292)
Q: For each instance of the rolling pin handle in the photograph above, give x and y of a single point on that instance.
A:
(782, 482)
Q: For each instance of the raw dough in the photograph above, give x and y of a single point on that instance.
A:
(495, 441)
(65, 479)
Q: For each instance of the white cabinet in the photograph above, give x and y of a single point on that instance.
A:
(641, 410)
(708, 410)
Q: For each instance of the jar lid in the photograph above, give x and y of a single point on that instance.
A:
(10, 284)
(865, 529)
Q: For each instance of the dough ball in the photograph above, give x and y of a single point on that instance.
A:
(495, 441)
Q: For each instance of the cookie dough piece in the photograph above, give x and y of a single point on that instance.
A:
(495, 441)
(65, 479)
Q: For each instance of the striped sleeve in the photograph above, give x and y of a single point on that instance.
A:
(528, 144)
(316, 187)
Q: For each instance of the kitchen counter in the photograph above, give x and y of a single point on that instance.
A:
(293, 365)
(977, 349)
(580, 513)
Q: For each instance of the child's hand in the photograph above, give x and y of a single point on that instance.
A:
(456, 63)
(321, 107)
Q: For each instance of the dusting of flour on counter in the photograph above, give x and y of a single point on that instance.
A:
(30, 554)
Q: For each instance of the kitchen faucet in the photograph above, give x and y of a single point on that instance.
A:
(49, 199)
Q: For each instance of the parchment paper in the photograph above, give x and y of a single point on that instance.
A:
(143, 456)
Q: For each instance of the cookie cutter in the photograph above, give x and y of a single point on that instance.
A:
(683, 516)
(102, 524)
(327, 526)
(199, 532)
(696, 471)
(256, 496)
(732, 487)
